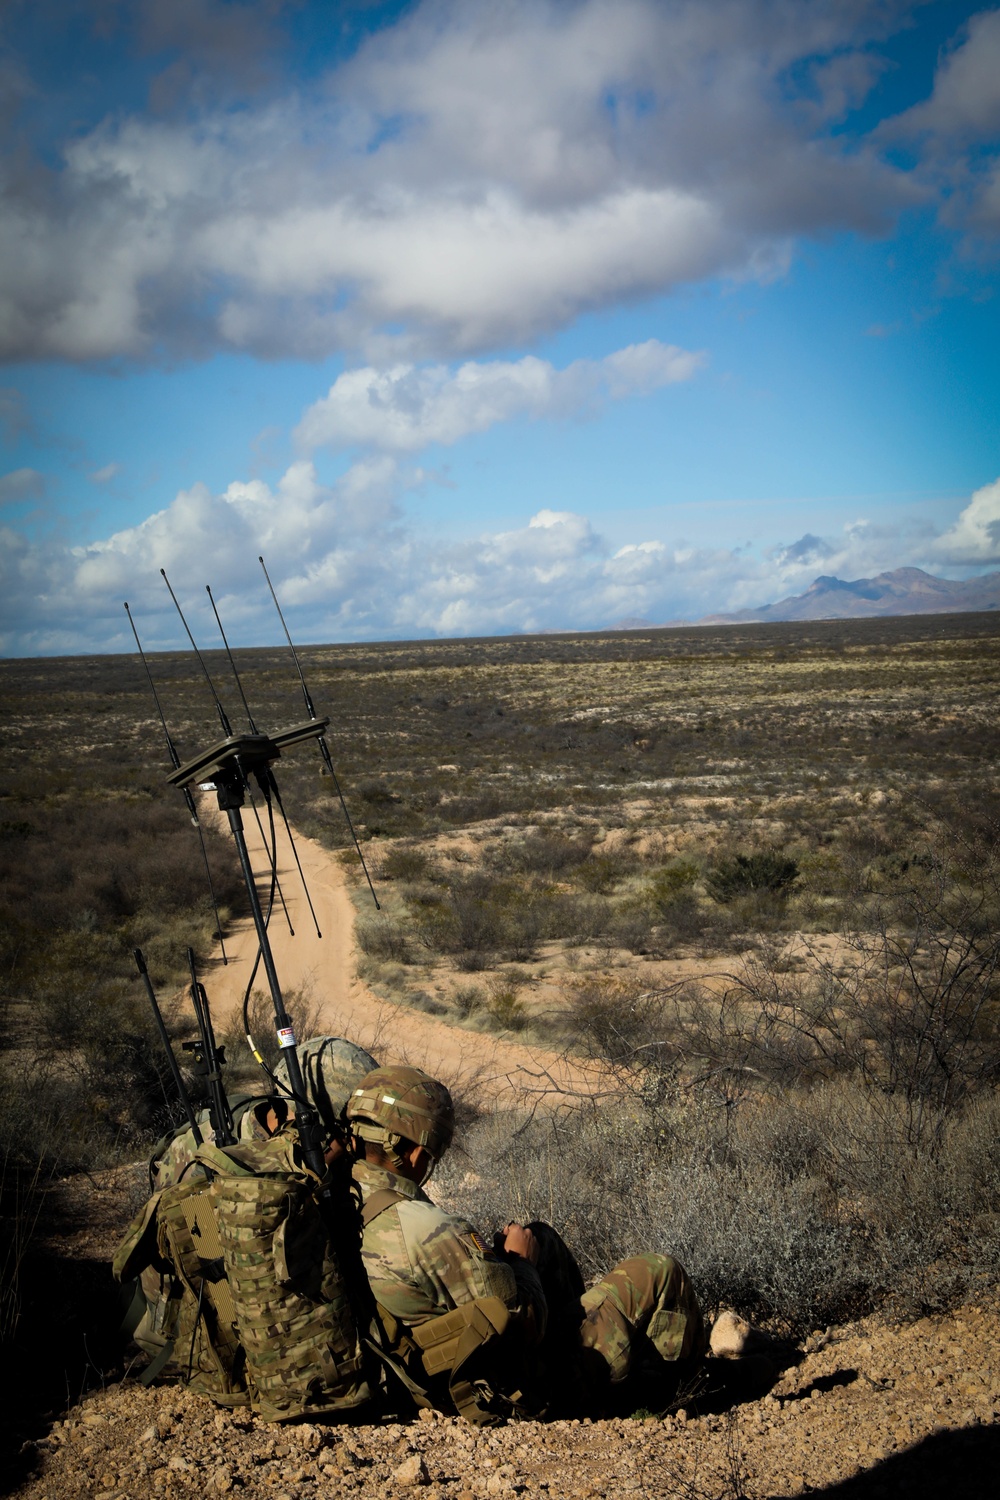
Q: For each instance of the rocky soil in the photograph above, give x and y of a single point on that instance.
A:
(871, 1409)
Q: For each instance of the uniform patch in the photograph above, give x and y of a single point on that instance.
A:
(479, 1246)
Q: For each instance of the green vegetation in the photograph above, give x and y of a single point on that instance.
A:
(751, 869)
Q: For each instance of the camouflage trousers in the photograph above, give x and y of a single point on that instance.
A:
(641, 1316)
(634, 1338)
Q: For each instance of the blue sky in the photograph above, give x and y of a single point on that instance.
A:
(480, 318)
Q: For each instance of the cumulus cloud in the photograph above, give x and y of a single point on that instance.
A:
(348, 566)
(468, 176)
(405, 408)
(965, 100)
(975, 537)
(956, 130)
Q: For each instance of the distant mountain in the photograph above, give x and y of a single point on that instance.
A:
(904, 591)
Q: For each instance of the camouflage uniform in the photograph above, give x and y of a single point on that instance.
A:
(422, 1261)
(331, 1067)
(174, 1161)
(635, 1336)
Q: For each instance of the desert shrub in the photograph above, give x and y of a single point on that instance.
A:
(682, 921)
(747, 874)
(480, 915)
(381, 937)
(543, 851)
(468, 999)
(751, 1199)
(504, 1006)
(619, 1020)
(672, 884)
(630, 926)
(604, 869)
(404, 863)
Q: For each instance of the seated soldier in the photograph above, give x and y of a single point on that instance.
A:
(634, 1338)
(331, 1067)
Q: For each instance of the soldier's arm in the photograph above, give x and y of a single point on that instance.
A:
(462, 1265)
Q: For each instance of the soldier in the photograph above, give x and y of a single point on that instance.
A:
(635, 1337)
(331, 1067)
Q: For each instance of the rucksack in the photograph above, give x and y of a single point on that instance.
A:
(242, 1287)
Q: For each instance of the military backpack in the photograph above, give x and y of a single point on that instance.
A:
(242, 1288)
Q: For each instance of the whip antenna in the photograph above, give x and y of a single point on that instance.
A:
(268, 782)
(188, 798)
(227, 730)
(324, 748)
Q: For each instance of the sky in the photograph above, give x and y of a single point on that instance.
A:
(481, 318)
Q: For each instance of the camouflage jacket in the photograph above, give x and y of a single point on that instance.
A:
(422, 1261)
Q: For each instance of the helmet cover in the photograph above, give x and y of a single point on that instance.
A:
(331, 1068)
(405, 1102)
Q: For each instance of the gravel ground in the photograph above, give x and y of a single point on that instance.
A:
(871, 1409)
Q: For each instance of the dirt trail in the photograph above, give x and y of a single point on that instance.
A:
(323, 968)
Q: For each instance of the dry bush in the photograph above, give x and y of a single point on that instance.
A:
(748, 1195)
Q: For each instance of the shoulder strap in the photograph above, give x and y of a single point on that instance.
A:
(378, 1203)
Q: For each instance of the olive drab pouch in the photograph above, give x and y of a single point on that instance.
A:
(294, 1310)
(181, 1310)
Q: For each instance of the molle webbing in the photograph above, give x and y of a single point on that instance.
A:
(200, 1323)
(293, 1311)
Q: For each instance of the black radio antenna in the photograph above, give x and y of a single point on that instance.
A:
(227, 730)
(209, 1059)
(324, 748)
(268, 783)
(175, 1072)
(186, 790)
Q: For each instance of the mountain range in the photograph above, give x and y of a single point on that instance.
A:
(903, 591)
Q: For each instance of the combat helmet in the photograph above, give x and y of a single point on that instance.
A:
(331, 1068)
(403, 1104)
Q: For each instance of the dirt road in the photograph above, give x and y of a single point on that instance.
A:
(323, 967)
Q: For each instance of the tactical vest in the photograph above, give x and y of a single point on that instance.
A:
(242, 1293)
(470, 1360)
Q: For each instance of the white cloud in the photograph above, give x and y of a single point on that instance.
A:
(405, 408)
(965, 101)
(956, 130)
(471, 176)
(106, 474)
(975, 537)
(347, 566)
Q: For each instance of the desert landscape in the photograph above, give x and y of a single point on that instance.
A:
(700, 926)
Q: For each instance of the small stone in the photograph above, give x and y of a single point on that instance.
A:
(151, 1435)
(411, 1471)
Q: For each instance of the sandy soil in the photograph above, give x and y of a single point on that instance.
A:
(871, 1410)
(323, 968)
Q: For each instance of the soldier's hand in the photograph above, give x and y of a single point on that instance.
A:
(520, 1241)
